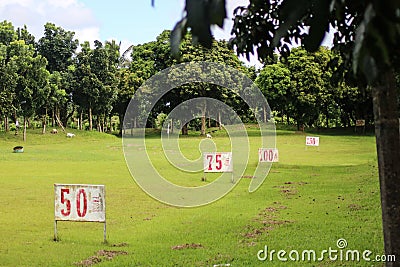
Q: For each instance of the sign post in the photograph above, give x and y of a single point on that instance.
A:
(81, 203)
(218, 162)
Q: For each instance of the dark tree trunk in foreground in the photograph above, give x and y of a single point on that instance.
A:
(388, 148)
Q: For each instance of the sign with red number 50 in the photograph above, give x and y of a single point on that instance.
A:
(218, 162)
(74, 202)
(268, 155)
(312, 141)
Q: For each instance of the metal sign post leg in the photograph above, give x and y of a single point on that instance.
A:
(55, 231)
(105, 233)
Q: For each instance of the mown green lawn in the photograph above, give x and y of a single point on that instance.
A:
(310, 199)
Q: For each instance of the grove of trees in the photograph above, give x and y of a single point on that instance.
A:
(60, 81)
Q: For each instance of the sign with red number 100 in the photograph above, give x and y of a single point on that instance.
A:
(218, 162)
(268, 155)
(75, 202)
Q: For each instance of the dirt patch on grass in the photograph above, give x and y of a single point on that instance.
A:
(297, 183)
(265, 221)
(186, 246)
(248, 176)
(218, 260)
(100, 256)
(123, 244)
(289, 189)
(354, 207)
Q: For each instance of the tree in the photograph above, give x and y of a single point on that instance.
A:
(7, 33)
(274, 82)
(95, 81)
(86, 89)
(104, 62)
(7, 72)
(152, 57)
(31, 80)
(368, 36)
(57, 46)
(8, 84)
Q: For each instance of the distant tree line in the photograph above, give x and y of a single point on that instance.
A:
(59, 81)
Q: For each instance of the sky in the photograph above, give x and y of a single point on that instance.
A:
(126, 21)
(131, 22)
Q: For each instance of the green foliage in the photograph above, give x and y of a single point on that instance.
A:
(7, 33)
(57, 46)
(160, 120)
(200, 16)
(302, 86)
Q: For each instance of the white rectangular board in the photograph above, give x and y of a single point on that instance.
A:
(268, 155)
(312, 141)
(79, 202)
(217, 162)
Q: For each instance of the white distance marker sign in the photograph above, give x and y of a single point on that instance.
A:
(79, 202)
(268, 155)
(312, 141)
(217, 162)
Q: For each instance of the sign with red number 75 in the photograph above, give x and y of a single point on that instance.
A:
(218, 162)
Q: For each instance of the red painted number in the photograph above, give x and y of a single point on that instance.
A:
(81, 202)
(210, 158)
(81, 193)
(218, 161)
(268, 155)
(65, 201)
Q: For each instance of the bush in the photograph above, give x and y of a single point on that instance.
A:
(160, 120)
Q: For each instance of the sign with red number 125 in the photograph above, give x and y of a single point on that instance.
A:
(218, 162)
(268, 155)
(312, 141)
(74, 202)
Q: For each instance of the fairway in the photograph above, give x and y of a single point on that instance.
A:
(311, 199)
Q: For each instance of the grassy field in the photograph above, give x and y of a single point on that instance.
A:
(310, 199)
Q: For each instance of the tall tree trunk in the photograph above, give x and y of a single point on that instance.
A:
(110, 130)
(121, 124)
(44, 122)
(90, 119)
(25, 126)
(81, 120)
(203, 120)
(6, 125)
(327, 119)
(134, 124)
(219, 120)
(185, 130)
(265, 114)
(203, 124)
(53, 118)
(388, 149)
